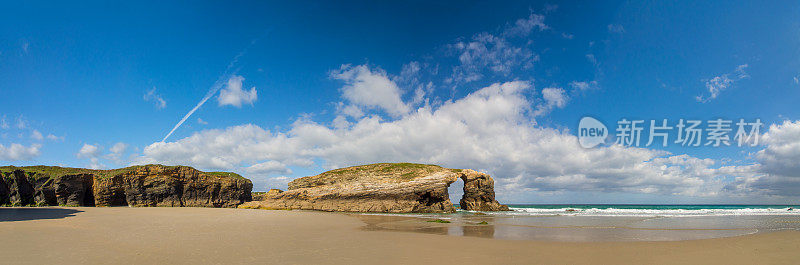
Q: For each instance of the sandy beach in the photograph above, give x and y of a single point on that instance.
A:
(120, 235)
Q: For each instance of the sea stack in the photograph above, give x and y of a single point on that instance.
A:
(385, 187)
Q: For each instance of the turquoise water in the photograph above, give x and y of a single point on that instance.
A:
(652, 210)
(651, 206)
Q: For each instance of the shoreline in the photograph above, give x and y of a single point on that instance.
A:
(232, 236)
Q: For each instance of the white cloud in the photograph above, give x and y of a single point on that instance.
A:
(201, 121)
(52, 137)
(553, 97)
(782, 152)
(583, 85)
(524, 26)
(117, 150)
(486, 130)
(372, 89)
(91, 152)
(352, 111)
(18, 152)
(489, 53)
(500, 53)
(36, 135)
(88, 151)
(717, 84)
(268, 168)
(777, 171)
(157, 100)
(233, 95)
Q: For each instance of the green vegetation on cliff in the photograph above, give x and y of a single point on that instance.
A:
(387, 172)
(37, 172)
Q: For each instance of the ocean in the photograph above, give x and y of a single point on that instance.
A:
(643, 210)
(599, 222)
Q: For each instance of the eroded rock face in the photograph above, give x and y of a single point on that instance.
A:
(479, 192)
(74, 190)
(151, 185)
(263, 195)
(20, 189)
(393, 188)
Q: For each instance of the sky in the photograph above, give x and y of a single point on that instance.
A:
(280, 90)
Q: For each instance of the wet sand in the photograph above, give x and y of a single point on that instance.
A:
(233, 236)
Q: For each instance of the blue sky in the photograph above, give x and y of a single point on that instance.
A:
(305, 87)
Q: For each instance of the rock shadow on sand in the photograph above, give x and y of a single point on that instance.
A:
(27, 214)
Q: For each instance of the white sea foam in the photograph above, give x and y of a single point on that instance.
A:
(653, 212)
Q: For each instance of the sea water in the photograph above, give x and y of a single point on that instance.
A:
(600, 222)
(652, 210)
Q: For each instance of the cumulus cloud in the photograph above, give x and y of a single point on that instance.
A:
(88, 150)
(152, 96)
(201, 121)
(91, 152)
(36, 135)
(717, 84)
(18, 152)
(268, 168)
(782, 152)
(370, 88)
(53, 137)
(117, 151)
(776, 172)
(487, 130)
(233, 95)
(552, 97)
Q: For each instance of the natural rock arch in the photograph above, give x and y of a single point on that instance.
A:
(384, 187)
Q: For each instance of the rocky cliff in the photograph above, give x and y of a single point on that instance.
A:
(150, 185)
(386, 187)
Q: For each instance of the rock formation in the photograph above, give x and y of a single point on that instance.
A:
(386, 187)
(479, 192)
(260, 196)
(150, 185)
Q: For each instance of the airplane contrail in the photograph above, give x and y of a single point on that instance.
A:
(214, 89)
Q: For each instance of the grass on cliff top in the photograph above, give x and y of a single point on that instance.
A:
(224, 174)
(54, 171)
(384, 172)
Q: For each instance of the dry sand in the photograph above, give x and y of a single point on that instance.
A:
(233, 236)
